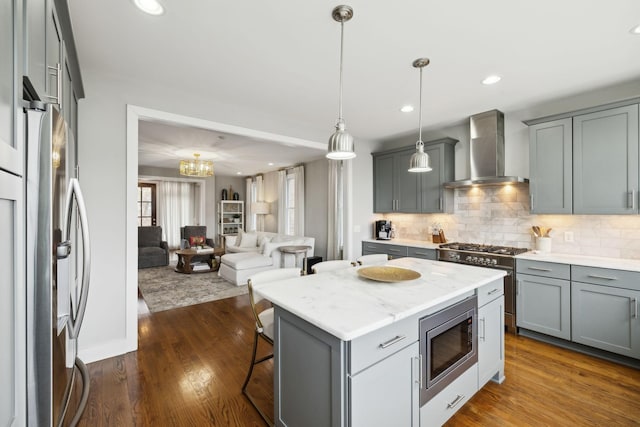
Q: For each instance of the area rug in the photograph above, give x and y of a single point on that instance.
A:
(163, 289)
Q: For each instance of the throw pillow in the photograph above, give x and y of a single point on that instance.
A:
(196, 240)
(249, 240)
(239, 239)
(262, 242)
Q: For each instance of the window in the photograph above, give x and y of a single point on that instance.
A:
(146, 204)
(290, 226)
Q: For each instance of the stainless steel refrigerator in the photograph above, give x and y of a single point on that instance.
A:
(58, 266)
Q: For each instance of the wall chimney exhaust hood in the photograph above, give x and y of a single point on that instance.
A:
(486, 152)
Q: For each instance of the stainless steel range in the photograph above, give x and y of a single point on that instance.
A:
(501, 257)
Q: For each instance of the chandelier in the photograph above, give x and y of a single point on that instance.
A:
(196, 167)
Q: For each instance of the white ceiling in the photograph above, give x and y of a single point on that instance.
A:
(281, 57)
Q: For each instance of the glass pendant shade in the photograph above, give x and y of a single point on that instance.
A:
(420, 161)
(341, 142)
(196, 167)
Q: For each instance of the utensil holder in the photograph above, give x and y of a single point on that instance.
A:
(543, 244)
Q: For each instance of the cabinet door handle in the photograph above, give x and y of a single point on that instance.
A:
(455, 402)
(58, 73)
(595, 276)
(631, 200)
(392, 341)
(634, 304)
(539, 269)
(419, 380)
(394, 250)
(483, 336)
(531, 202)
(440, 201)
(518, 282)
(493, 291)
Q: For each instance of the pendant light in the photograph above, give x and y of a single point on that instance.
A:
(420, 161)
(341, 143)
(196, 167)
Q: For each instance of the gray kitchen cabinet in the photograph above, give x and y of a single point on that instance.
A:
(54, 63)
(379, 394)
(490, 333)
(605, 309)
(544, 305)
(423, 253)
(434, 197)
(394, 251)
(395, 189)
(605, 168)
(550, 167)
(35, 56)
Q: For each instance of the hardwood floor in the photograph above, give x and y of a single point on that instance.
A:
(191, 363)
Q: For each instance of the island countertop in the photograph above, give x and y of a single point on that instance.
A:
(348, 306)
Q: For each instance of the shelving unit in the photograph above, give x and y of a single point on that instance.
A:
(230, 217)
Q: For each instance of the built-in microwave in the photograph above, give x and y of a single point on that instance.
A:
(448, 346)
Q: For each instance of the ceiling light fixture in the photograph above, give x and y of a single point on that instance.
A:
(152, 7)
(491, 80)
(196, 167)
(341, 143)
(635, 30)
(420, 161)
(407, 108)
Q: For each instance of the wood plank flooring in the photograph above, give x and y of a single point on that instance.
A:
(191, 363)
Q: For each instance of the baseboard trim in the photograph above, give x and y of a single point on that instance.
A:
(105, 351)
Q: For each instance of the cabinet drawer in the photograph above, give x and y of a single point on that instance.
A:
(544, 269)
(421, 253)
(606, 277)
(490, 291)
(374, 346)
(446, 403)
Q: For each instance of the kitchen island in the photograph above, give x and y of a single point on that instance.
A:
(347, 349)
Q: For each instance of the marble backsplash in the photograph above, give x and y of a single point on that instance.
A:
(500, 216)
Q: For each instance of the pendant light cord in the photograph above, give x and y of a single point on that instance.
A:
(419, 143)
(340, 120)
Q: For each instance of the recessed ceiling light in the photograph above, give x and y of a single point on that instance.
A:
(238, 173)
(407, 108)
(270, 163)
(491, 80)
(635, 30)
(152, 7)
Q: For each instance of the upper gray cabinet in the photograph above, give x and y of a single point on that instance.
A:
(605, 175)
(395, 189)
(585, 162)
(550, 157)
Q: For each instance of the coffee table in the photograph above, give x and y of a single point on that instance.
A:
(295, 250)
(185, 255)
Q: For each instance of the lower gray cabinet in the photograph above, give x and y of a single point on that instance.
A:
(544, 305)
(606, 318)
(378, 395)
(394, 251)
(491, 341)
(421, 253)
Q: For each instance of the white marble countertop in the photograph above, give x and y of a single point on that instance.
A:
(348, 306)
(584, 260)
(406, 242)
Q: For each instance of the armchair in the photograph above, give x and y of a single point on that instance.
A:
(152, 250)
(191, 233)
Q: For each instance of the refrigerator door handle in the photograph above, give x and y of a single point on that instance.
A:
(74, 191)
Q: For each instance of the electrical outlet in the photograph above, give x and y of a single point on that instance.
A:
(568, 236)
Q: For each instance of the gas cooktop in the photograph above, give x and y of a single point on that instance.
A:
(491, 249)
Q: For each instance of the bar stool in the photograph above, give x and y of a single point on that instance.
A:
(325, 266)
(373, 259)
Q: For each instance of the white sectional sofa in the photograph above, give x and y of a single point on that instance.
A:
(253, 252)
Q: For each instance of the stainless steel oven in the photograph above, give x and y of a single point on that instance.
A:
(490, 256)
(448, 346)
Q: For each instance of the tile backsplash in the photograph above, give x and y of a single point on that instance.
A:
(500, 216)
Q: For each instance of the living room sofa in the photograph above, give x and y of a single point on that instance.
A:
(253, 252)
(152, 250)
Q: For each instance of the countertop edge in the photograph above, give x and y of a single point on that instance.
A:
(626, 264)
(409, 243)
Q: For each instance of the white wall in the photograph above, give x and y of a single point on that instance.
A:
(316, 196)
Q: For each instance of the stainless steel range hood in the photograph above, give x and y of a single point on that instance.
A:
(486, 153)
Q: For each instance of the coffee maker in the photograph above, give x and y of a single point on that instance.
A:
(382, 230)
